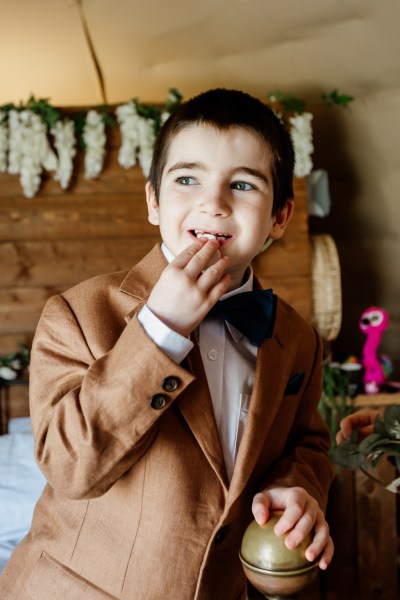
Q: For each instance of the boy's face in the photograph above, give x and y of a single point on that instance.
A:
(218, 183)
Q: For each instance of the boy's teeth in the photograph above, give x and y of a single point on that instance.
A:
(209, 236)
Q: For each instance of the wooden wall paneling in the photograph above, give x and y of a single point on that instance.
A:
(377, 535)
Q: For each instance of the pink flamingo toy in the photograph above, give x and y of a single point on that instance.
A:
(373, 322)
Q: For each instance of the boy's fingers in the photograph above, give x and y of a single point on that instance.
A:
(201, 258)
(182, 260)
(322, 547)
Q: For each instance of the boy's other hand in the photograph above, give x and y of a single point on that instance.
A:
(301, 515)
(190, 286)
(363, 419)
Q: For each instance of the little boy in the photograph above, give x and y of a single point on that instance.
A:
(161, 426)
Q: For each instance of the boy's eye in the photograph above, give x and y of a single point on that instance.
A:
(242, 186)
(186, 180)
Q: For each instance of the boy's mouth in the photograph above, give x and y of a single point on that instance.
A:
(210, 235)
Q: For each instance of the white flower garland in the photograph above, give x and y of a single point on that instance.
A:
(65, 144)
(137, 137)
(3, 142)
(147, 137)
(95, 144)
(29, 150)
(302, 136)
(128, 120)
(25, 149)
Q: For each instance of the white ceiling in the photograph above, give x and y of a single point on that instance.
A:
(146, 47)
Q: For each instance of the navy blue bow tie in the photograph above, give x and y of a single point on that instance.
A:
(252, 313)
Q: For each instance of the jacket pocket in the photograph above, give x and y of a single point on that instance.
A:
(294, 384)
(51, 579)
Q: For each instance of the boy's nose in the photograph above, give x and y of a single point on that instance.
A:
(215, 202)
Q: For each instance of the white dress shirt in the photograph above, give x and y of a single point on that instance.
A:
(229, 363)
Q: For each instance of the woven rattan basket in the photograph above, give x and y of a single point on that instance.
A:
(326, 287)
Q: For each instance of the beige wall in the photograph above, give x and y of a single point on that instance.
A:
(306, 47)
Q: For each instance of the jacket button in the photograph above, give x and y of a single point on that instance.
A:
(221, 534)
(170, 384)
(158, 401)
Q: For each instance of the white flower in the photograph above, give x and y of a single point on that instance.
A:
(95, 141)
(128, 120)
(65, 144)
(164, 116)
(29, 150)
(302, 135)
(7, 373)
(3, 142)
(147, 138)
(14, 143)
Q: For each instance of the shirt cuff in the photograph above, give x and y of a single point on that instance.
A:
(169, 341)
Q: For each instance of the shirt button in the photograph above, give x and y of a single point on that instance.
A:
(170, 384)
(212, 354)
(158, 401)
(221, 534)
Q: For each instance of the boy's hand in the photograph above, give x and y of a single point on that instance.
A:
(190, 286)
(364, 419)
(301, 515)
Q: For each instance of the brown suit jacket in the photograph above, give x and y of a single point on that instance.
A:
(138, 504)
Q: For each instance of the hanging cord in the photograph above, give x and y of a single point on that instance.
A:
(92, 51)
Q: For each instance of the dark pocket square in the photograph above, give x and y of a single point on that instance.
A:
(294, 385)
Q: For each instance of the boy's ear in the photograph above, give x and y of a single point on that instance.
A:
(152, 205)
(281, 219)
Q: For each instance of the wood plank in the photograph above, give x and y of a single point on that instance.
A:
(20, 309)
(71, 217)
(376, 400)
(377, 535)
(10, 343)
(341, 578)
(63, 264)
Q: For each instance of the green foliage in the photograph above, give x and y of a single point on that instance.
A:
(289, 103)
(41, 107)
(384, 441)
(336, 99)
(335, 402)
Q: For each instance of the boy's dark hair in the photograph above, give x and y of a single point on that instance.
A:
(222, 108)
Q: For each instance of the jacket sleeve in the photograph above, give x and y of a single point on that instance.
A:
(305, 461)
(92, 418)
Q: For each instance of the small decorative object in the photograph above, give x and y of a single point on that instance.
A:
(384, 441)
(273, 569)
(373, 322)
(14, 363)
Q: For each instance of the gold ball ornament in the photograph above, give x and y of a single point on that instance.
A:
(273, 569)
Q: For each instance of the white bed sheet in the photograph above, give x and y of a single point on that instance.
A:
(21, 483)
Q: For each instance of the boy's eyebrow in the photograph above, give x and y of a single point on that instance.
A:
(254, 173)
(195, 165)
(185, 165)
